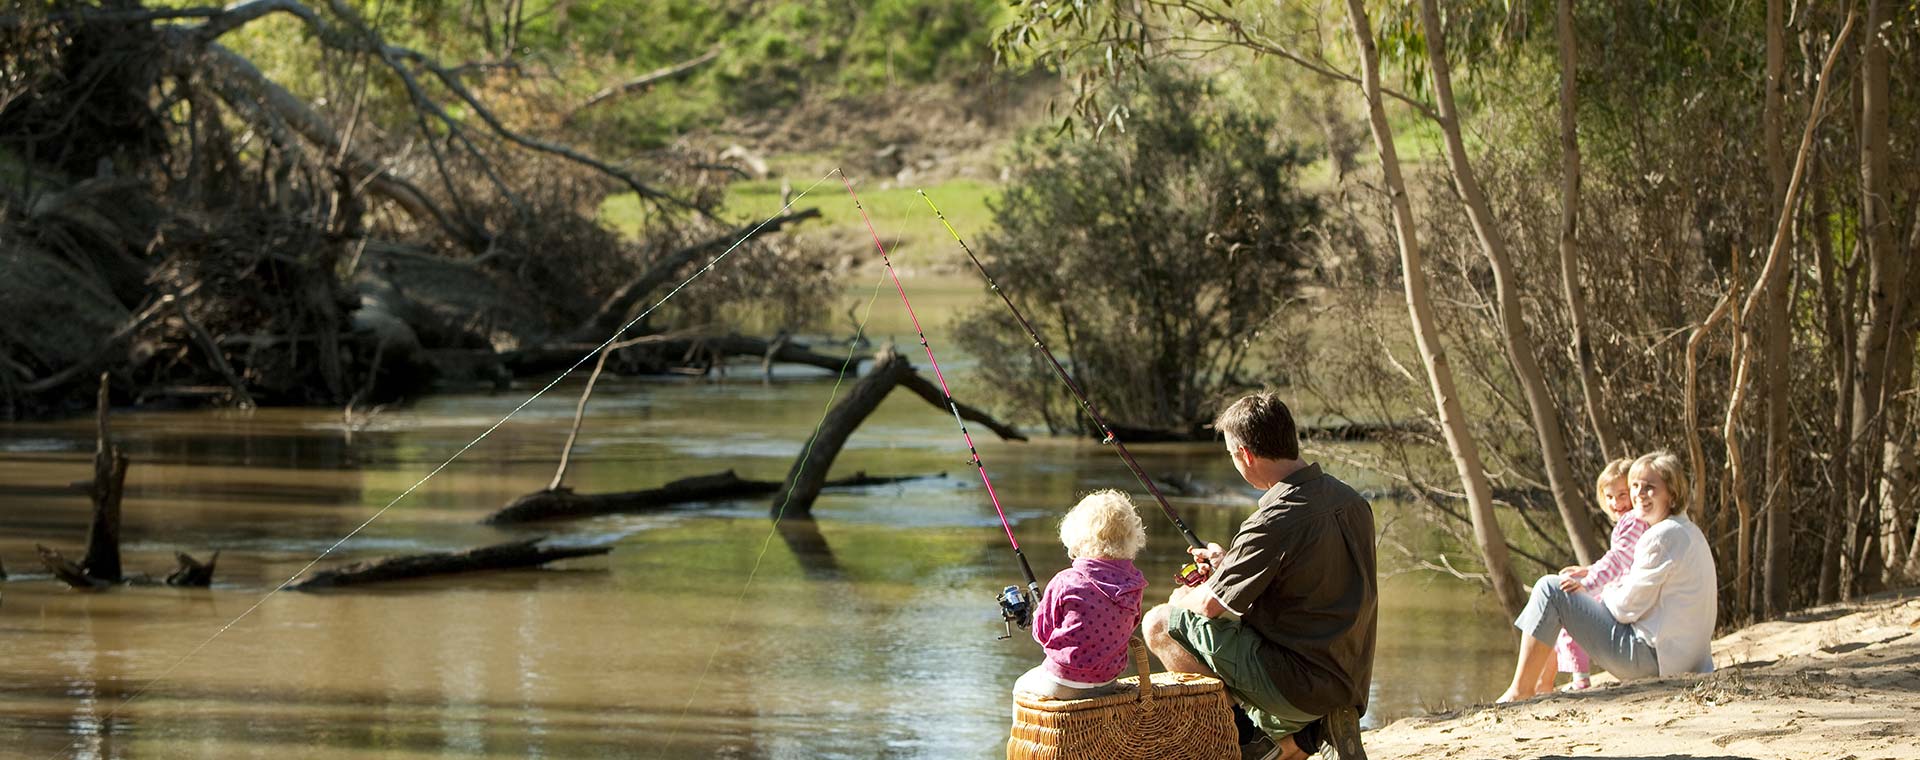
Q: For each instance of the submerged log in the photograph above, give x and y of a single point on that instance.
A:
(66, 571)
(809, 472)
(192, 574)
(509, 555)
(565, 504)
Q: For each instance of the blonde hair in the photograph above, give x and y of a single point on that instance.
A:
(1667, 466)
(1105, 525)
(1615, 471)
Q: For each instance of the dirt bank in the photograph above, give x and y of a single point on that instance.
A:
(1835, 682)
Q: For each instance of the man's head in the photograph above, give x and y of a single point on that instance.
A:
(1261, 438)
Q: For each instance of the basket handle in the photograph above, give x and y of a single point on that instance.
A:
(1138, 649)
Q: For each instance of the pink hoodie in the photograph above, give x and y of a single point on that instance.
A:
(1085, 618)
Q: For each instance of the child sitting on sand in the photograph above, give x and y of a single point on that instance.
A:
(1092, 608)
(1615, 500)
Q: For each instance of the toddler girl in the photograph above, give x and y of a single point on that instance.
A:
(1611, 489)
(1092, 608)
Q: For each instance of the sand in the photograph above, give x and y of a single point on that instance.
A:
(1833, 683)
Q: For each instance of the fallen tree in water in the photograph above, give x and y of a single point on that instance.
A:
(564, 504)
(506, 556)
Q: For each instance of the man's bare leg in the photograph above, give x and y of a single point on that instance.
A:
(1289, 749)
(1161, 644)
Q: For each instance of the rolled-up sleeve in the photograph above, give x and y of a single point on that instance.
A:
(1639, 590)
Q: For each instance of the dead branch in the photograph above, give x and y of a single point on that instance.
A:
(509, 555)
(241, 397)
(110, 344)
(66, 571)
(644, 81)
(264, 103)
(620, 307)
(809, 472)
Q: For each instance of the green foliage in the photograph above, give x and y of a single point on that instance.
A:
(1152, 259)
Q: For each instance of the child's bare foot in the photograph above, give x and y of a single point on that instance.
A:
(1512, 694)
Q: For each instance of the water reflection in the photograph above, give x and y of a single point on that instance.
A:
(869, 631)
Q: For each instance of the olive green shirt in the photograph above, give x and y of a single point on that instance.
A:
(1301, 573)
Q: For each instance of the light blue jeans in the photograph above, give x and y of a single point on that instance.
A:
(1611, 644)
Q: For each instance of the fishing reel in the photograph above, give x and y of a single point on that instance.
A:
(1193, 574)
(1015, 609)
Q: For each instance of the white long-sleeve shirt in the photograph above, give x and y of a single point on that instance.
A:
(1669, 596)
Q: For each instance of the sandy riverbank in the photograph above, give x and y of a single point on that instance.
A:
(1833, 683)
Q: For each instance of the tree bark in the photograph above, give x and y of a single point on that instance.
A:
(102, 561)
(506, 556)
(1466, 455)
(1610, 446)
(1836, 294)
(1544, 410)
(1886, 270)
(644, 81)
(1779, 326)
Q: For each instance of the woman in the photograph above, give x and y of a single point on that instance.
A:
(1656, 620)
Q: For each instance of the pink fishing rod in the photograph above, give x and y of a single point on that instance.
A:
(1016, 607)
(1193, 573)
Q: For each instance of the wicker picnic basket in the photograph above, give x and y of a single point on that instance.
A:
(1174, 716)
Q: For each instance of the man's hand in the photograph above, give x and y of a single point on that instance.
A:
(1208, 556)
(1196, 599)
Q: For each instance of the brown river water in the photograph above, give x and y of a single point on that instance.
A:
(870, 632)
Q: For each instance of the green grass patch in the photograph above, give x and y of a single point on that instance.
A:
(899, 215)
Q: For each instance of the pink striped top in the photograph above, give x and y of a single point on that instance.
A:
(1619, 557)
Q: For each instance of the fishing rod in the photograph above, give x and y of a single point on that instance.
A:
(1190, 574)
(1016, 606)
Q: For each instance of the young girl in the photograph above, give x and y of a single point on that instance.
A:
(1616, 500)
(1091, 608)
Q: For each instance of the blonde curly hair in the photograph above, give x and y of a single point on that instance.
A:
(1104, 525)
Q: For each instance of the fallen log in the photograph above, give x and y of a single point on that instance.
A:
(565, 504)
(509, 555)
(809, 472)
(1345, 432)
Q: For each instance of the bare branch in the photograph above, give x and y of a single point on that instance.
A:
(644, 81)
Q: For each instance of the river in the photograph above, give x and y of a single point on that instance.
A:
(870, 632)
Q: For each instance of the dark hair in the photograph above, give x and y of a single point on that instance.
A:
(1262, 424)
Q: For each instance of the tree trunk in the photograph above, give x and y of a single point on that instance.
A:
(1466, 454)
(1772, 275)
(1886, 271)
(1835, 297)
(1544, 410)
(1777, 368)
(809, 472)
(1610, 446)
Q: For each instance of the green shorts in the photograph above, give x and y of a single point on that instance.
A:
(1233, 651)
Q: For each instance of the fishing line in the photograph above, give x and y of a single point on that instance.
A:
(1013, 608)
(1192, 573)
(853, 347)
(463, 449)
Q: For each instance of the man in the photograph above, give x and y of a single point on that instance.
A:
(1286, 617)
